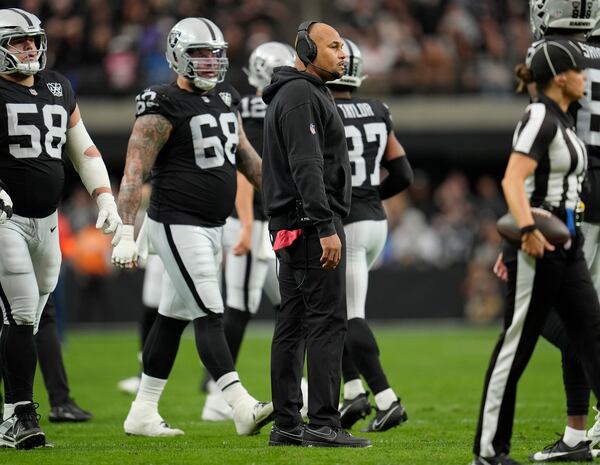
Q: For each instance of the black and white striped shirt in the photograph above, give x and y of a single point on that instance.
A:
(546, 134)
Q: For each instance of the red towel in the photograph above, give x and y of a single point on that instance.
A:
(285, 238)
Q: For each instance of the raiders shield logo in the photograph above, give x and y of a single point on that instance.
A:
(174, 38)
(55, 88)
(226, 97)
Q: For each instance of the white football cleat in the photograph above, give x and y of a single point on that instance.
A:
(129, 385)
(216, 408)
(593, 434)
(250, 416)
(143, 420)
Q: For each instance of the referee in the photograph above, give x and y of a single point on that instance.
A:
(546, 169)
(306, 193)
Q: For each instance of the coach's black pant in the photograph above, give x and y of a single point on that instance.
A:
(50, 358)
(312, 318)
(561, 281)
(577, 387)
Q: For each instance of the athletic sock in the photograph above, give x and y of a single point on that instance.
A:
(9, 409)
(162, 345)
(17, 352)
(385, 399)
(234, 323)
(365, 353)
(572, 436)
(353, 388)
(349, 369)
(232, 388)
(211, 387)
(212, 346)
(150, 389)
(148, 317)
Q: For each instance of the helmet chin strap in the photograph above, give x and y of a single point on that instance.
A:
(203, 84)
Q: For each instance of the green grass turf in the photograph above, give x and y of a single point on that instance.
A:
(437, 371)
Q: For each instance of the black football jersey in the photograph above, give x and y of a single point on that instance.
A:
(587, 115)
(252, 110)
(367, 124)
(193, 179)
(33, 131)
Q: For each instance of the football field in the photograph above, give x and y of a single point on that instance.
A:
(437, 370)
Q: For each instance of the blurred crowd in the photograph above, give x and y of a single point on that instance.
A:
(442, 46)
(447, 226)
(445, 46)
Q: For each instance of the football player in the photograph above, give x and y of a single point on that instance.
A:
(371, 145)
(40, 121)
(190, 135)
(574, 20)
(250, 260)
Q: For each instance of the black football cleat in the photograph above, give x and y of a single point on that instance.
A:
(353, 410)
(69, 412)
(327, 436)
(560, 452)
(286, 437)
(26, 427)
(386, 419)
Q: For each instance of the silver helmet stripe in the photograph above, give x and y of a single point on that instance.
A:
(22, 13)
(351, 53)
(209, 27)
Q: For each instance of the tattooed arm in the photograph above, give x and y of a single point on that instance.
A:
(148, 136)
(247, 160)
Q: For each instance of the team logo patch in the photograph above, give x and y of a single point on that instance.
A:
(205, 99)
(312, 128)
(174, 38)
(33, 91)
(55, 88)
(226, 97)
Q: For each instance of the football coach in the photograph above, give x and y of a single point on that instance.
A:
(306, 193)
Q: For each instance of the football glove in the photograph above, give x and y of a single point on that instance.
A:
(125, 252)
(5, 206)
(108, 217)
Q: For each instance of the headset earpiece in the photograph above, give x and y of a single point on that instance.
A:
(305, 46)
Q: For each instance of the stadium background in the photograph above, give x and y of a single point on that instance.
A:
(443, 67)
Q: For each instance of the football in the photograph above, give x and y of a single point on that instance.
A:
(553, 229)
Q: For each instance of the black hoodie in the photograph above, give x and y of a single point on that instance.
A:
(305, 156)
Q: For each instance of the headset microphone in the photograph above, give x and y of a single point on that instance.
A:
(333, 74)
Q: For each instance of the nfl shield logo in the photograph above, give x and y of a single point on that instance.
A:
(226, 97)
(55, 88)
(313, 128)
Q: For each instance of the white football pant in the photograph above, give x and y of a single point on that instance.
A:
(192, 257)
(364, 242)
(153, 275)
(29, 266)
(247, 275)
(591, 251)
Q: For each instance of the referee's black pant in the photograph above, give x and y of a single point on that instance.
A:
(312, 319)
(559, 280)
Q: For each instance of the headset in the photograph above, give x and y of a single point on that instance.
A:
(306, 49)
(305, 46)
